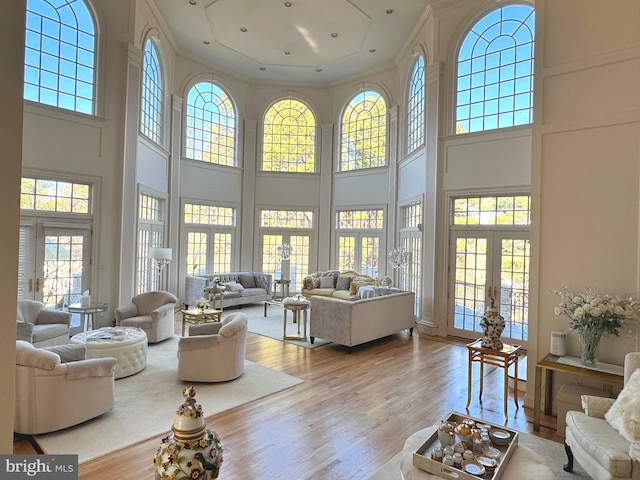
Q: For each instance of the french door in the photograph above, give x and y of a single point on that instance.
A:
(294, 264)
(485, 263)
(54, 262)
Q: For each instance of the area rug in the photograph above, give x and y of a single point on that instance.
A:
(145, 404)
(272, 325)
(552, 452)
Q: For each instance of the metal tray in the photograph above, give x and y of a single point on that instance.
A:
(422, 457)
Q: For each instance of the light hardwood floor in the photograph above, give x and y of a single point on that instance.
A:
(350, 416)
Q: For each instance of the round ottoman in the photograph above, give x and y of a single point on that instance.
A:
(128, 345)
(524, 463)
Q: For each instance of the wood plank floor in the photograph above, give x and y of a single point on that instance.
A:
(350, 416)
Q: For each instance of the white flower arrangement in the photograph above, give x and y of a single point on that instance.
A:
(202, 303)
(216, 280)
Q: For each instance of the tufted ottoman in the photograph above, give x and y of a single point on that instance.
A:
(128, 345)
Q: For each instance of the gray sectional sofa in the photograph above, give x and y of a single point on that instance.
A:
(241, 287)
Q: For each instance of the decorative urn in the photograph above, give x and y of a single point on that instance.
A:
(190, 451)
(492, 324)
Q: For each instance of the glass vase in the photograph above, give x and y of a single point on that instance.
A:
(589, 343)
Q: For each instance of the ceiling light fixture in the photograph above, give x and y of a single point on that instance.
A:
(244, 29)
(206, 42)
(372, 50)
(263, 68)
(287, 4)
(334, 34)
(389, 11)
(318, 69)
(287, 52)
(192, 2)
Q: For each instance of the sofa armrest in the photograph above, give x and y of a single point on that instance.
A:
(596, 407)
(25, 331)
(199, 342)
(211, 328)
(92, 367)
(70, 352)
(125, 311)
(50, 316)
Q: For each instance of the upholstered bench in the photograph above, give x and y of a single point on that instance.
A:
(128, 345)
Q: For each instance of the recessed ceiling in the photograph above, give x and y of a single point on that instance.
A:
(296, 40)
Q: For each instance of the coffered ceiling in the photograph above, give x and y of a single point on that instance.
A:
(315, 41)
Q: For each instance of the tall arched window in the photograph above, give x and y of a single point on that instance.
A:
(289, 138)
(415, 107)
(364, 132)
(60, 54)
(211, 125)
(152, 94)
(495, 71)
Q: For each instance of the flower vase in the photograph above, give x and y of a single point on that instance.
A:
(589, 343)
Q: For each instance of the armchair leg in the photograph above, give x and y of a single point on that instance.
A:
(569, 466)
(313, 339)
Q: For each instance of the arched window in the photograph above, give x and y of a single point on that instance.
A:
(415, 107)
(364, 132)
(60, 54)
(289, 138)
(211, 125)
(152, 94)
(495, 71)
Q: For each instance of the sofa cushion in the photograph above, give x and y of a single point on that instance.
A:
(251, 292)
(311, 282)
(624, 414)
(358, 282)
(344, 282)
(343, 294)
(327, 282)
(230, 294)
(247, 280)
(233, 286)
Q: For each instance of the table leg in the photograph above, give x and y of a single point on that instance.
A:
(515, 382)
(305, 325)
(536, 399)
(469, 379)
(548, 392)
(183, 322)
(505, 366)
(481, 376)
(284, 334)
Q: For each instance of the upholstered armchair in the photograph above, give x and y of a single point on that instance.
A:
(42, 326)
(153, 312)
(213, 352)
(57, 388)
(605, 438)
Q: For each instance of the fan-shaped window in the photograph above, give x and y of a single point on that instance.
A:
(151, 107)
(415, 107)
(60, 54)
(495, 71)
(211, 125)
(289, 139)
(364, 132)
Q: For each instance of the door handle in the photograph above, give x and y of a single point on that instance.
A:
(31, 284)
(37, 284)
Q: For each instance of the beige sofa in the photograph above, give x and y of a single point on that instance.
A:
(353, 322)
(334, 283)
(241, 287)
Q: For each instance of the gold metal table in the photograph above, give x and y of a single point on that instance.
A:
(604, 372)
(500, 358)
(283, 291)
(296, 305)
(196, 316)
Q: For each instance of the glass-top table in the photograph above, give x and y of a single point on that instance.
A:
(87, 312)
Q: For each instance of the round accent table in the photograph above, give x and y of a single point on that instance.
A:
(128, 345)
(296, 305)
(524, 463)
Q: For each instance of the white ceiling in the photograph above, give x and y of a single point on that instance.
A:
(370, 33)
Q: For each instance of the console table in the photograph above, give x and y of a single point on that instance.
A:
(604, 372)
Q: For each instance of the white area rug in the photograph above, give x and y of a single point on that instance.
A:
(272, 325)
(145, 404)
(552, 452)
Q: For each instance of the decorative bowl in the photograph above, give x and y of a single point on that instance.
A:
(499, 437)
(473, 467)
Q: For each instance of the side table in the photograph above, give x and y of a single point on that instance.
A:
(284, 288)
(196, 316)
(87, 313)
(500, 358)
(296, 305)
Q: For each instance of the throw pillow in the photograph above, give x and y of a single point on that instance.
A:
(326, 282)
(624, 414)
(596, 406)
(247, 280)
(233, 286)
(344, 282)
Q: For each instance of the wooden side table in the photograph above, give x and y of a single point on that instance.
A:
(605, 372)
(196, 316)
(500, 358)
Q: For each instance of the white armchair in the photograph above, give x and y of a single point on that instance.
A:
(42, 326)
(605, 438)
(214, 352)
(153, 312)
(57, 388)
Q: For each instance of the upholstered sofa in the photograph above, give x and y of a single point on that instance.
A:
(241, 288)
(605, 438)
(334, 283)
(353, 322)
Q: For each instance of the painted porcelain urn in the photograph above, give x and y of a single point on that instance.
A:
(190, 451)
(492, 324)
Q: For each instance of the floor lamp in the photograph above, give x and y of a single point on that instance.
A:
(161, 257)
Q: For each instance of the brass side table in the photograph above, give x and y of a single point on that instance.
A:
(296, 305)
(196, 316)
(500, 358)
(284, 288)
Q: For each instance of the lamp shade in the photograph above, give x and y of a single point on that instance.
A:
(160, 253)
